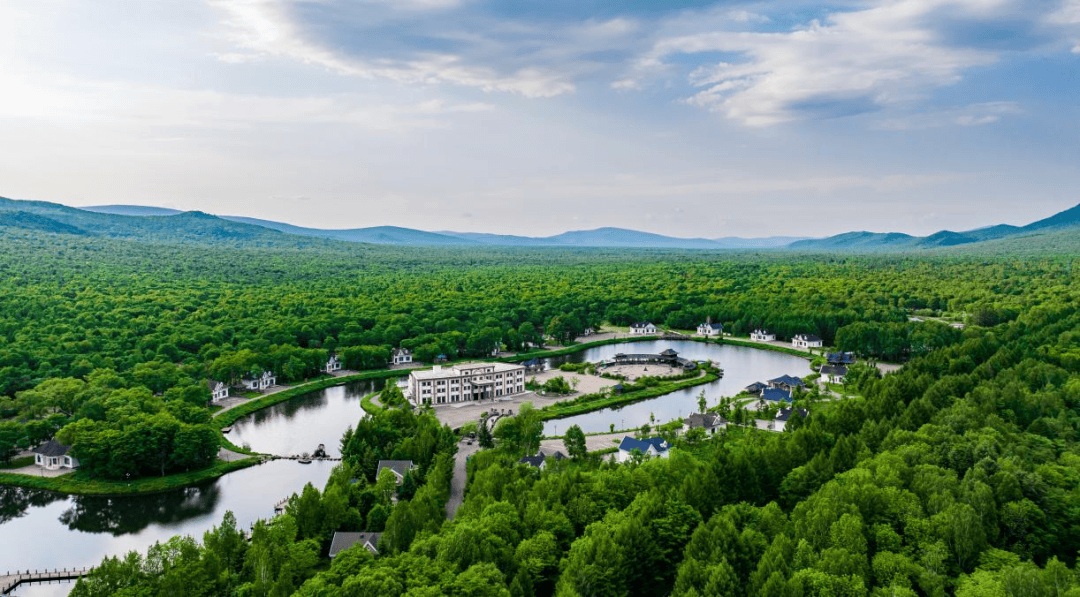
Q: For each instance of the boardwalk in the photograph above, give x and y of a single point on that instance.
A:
(9, 581)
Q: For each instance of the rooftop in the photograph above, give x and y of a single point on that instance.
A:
(398, 466)
(343, 541)
(52, 448)
(463, 369)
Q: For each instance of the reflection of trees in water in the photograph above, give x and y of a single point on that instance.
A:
(15, 501)
(313, 401)
(131, 514)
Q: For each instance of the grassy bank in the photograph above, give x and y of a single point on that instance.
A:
(558, 352)
(80, 484)
(764, 346)
(568, 409)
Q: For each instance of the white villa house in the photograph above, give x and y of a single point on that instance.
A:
(644, 328)
(654, 447)
(762, 335)
(710, 329)
(332, 364)
(400, 356)
(834, 373)
(262, 382)
(465, 382)
(218, 391)
(784, 415)
(806, 341)
(710, 422)
(53, 455)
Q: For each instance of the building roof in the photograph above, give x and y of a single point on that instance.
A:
(464, 369)
(215, 385)
(401, 351)
(807, 337)
(533, 362)
(834, 370)
(630, 444)
(52, 448)
(755, 387)
(398, 466)
(669, 353)
(715, 326)
(785, 413)
(704, 420)
(776, 395)
(343, 541)
(533, 461)
(842, 358)
(788, 380)
(641, 324)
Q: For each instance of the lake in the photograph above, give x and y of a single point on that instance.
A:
(742, 366)
(43, 529)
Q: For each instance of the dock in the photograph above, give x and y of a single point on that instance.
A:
(9, 581)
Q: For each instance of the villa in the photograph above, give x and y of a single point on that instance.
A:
(643, 328)
(401, 356)
(834, 373)
(762, 335)
(654, 447)
(710, 422)
(262, 382)
(218, 391)
(806, 341)
(776, 395)
(787, 382)
(53, 455)
(332, 364)
(398, 467)
(784, 415)
(343, 541)
(465, 382)
(710, 329)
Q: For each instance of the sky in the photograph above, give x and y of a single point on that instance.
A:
(692, 119)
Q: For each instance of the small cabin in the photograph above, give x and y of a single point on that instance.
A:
(806, 341)
(261, 382)
(654, 447)
(710, 330)
(332, 364)
(401, 356)
(762, 335)
(642, 328)
(218, 391)
(53, 455)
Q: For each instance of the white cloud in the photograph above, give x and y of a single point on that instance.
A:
(266, 27)
(972, 115)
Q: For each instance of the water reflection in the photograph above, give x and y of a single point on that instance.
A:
(15, 501)
(125, 515)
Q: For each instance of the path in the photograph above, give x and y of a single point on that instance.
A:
(457, 482)
(233, 402)
(9, 581)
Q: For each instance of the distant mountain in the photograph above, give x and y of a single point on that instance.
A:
(132, 210)
(766, 242)
(509, 240)
(621, 237)
(32, 221)
(380, 235)
(895, 241)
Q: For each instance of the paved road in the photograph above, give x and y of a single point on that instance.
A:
(457, 482)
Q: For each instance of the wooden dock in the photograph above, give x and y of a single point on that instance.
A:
(9, 581)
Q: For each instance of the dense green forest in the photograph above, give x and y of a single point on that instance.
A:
(957, 475)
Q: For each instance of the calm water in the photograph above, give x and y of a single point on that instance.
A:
(300, 424)
(40, 529)
(742, 366)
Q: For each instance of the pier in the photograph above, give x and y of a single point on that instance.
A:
(9, 581)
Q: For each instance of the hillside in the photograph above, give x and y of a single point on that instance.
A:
(132, 210)
(380, 235)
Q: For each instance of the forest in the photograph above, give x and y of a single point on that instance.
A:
(959, 474)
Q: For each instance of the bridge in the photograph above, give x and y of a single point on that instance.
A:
(9, 581)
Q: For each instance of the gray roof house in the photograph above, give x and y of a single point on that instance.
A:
(53, 455)
(343, 541)
(398, 467)
(710, 422)
(834, 373)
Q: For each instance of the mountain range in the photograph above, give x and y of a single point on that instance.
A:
(156, 224)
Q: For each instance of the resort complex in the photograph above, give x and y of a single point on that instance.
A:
(465, 382)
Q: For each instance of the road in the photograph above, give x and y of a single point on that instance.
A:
(457, 482)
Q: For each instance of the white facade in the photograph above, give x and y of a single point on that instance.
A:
(644, 329)
(262, 382)
(650, 452)
(710, 330)
(806, 341)
(332, 364)
(218, 391)
(53, 463)
(762, 336)
(401, 356)
(465, 383)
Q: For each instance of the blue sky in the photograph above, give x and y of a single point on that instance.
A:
(689, 119)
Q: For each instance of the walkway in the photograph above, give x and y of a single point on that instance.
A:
(9, 581)
(457, 482)
(233, 402)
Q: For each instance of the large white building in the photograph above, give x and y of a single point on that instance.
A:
(644, 328)
(806, 341)
(465, 382)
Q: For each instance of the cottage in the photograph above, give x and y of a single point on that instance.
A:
(762, 335)
(261, 382)
(806, 341)
(710, 422)
(465, 382)
(332, 364)
(787, 382)
(710, 329)
(53, 455)
(776, 395)
(398, 467)
(834, 373)
(588, 332)
(401, 356)
(540, 460)
(643, 328)
(785, 414)
(218, 391)
(654, 447)
(343, 541)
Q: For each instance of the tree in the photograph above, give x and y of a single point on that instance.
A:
(575, 442)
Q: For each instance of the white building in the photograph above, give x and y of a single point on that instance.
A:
(710, 422)
(834, 373)
(262, 382)
(218, 391)
(53, 455)
(806, 341)
(784, 415)
(332, 364)
(710, 330)
(465, 382)
(654, 447)
(400, 356)
(644, 328)
(762, 336)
